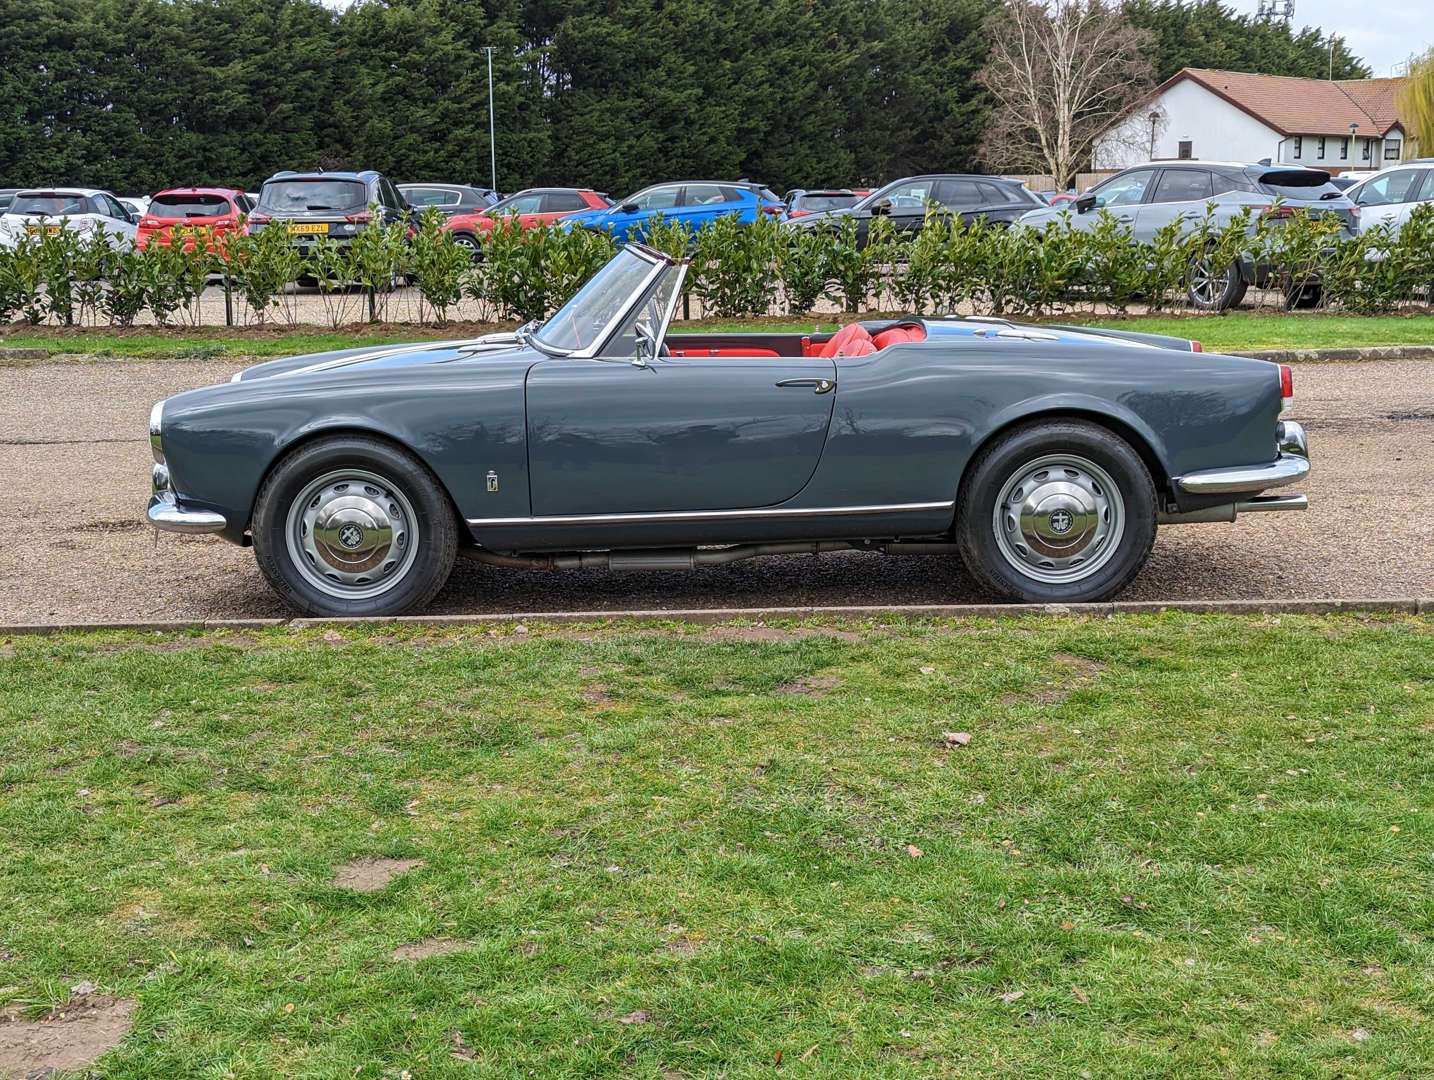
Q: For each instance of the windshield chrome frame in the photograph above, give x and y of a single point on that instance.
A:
(659, 261)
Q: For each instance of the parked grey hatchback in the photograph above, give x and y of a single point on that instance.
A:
(1148, 197)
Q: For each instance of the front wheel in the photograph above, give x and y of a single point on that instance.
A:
(1057, 512)
(354, 526)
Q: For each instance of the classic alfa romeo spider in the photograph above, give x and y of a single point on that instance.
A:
(1044, 457)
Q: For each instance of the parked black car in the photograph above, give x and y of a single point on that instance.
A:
(333, 204)
(449, 199)
(801, 201)
(906, 203)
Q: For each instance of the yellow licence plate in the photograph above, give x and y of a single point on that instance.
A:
(36, 230)
(307, 228)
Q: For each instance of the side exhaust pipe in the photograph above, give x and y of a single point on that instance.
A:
(1260, 504)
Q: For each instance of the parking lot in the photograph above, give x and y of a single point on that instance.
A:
(73, 545)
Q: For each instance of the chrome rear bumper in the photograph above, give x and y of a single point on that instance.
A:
(165, 512)
(1291, 463)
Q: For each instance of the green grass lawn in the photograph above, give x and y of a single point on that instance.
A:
(1175, 846)
(1241, 331)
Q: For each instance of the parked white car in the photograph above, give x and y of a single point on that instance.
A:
(81, 210)
(1390, 195)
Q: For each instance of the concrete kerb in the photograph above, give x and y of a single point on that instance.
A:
(707, 616)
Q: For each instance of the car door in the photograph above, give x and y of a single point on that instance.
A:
(1388, 198)
(528, 210)
(630, 219)
(1180, 194)
(627, 432)
(906, 204)
(114, 218)
(703, 204)
(556, 205)
(1121, 196)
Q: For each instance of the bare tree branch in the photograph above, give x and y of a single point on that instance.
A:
(1060, 72)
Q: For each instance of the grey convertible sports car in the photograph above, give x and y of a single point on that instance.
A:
(1044, 456)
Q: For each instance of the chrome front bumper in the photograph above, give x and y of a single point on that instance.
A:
(1292, 463)
(166, 513)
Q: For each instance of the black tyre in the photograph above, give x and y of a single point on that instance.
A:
(1214, 287)
(1302, 297)
(354, 526)
(469, 243)
(1059, 511)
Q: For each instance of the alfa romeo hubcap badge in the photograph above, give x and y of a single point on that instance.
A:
(1061, 522)
(351, 536)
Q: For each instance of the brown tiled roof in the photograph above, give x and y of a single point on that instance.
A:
(1294, 106)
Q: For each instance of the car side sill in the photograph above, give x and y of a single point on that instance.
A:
(712, 515)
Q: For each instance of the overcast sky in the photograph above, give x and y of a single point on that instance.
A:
(1383, 32)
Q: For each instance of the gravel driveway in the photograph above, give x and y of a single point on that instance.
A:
(73, 546)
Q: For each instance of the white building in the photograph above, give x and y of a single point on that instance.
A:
(1339, 126)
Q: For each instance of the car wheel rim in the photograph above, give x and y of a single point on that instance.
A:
(1206, 285)
(352, 534)
(1059, 519)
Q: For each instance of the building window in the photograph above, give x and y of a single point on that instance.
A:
(1343, 149)
(1319, 148)
(1186, 149)
(1367, 144)
(1391, 151)
(1299, 145)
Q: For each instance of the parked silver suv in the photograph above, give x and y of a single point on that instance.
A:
(1149, 197)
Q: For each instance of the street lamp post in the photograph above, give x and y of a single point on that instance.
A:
(492, 145)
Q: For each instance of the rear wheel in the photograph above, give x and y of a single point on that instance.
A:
(353, 526)
(1057, 512)
(469, 243)
(1212, 286)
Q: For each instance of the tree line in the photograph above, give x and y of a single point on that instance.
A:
(135, 95)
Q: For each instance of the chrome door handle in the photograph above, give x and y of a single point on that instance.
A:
(821, 386)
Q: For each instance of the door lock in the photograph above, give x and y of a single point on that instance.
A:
(492, 480)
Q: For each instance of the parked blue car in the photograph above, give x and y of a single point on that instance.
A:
(694, 203)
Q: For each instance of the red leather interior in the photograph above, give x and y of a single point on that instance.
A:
(854, 340)
(851, 340)
(743, 350)
(899, 335)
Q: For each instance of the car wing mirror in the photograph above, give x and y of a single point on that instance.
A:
(629, 208)
(646, 345)
(1086, 203)
(883, 207)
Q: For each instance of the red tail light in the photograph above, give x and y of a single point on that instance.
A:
(1276, 212)
(259, 219)
(774, 209)
(1195, 346)
(1287, 387)
(363, 217)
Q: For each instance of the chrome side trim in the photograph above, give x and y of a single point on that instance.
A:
(1285, 469)
(715, 515)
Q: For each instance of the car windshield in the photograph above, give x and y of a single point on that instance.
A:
(296, 196)
(52, 204)
(188, 206)
(1305, 185)
(826, 202)
(582, 320)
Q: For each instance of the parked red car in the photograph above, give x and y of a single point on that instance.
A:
(178, 212)
(530, 207)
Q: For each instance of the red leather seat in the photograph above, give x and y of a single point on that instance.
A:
(899, 335)
(851, 340)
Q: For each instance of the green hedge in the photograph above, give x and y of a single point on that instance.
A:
(736, 270)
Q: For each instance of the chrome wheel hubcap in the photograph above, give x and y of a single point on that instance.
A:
(1059, 518)
(352, 534)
